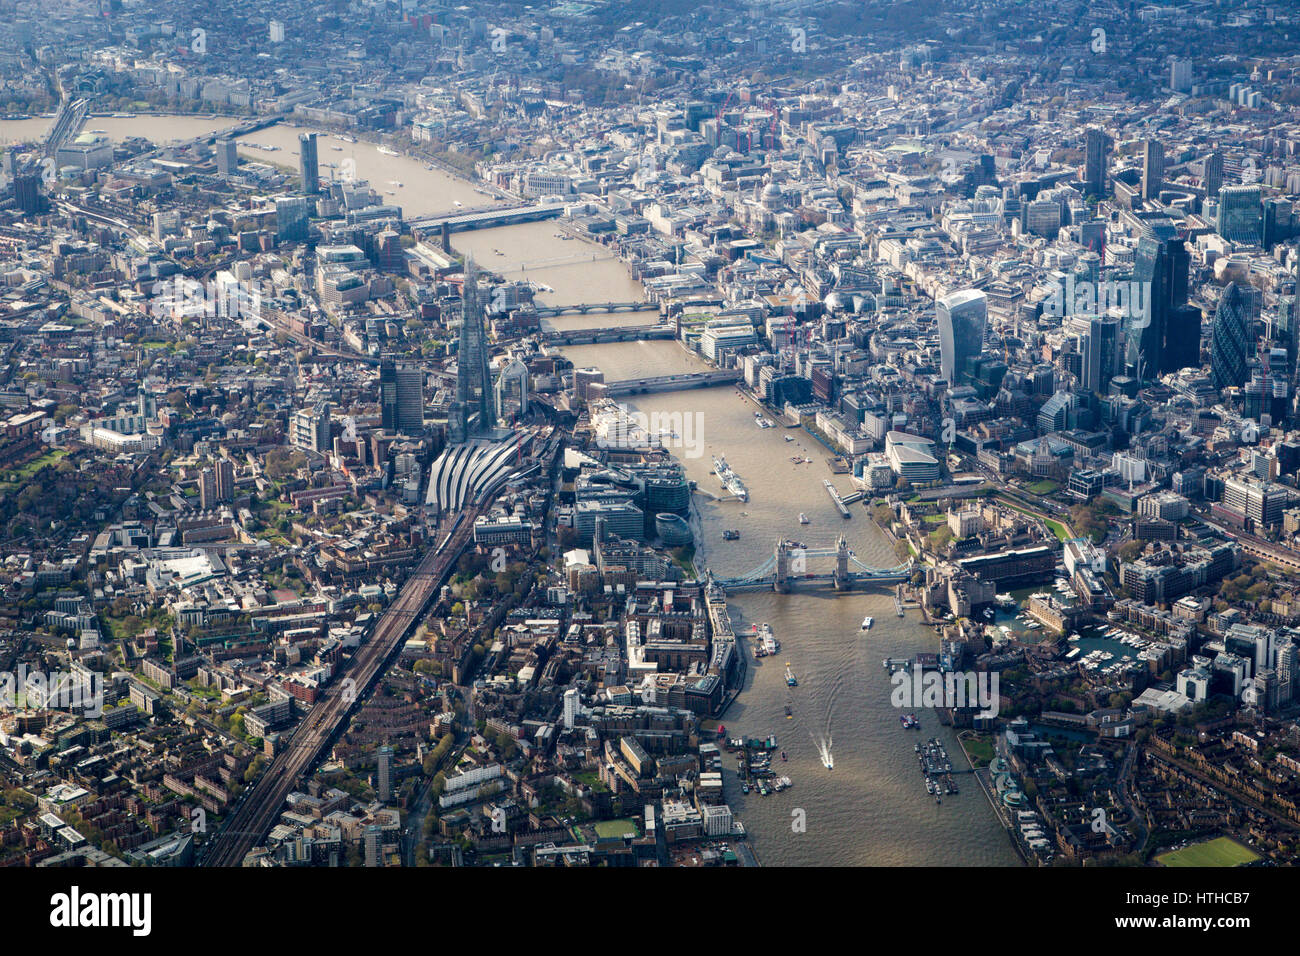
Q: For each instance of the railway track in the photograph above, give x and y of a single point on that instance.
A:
(255, 816)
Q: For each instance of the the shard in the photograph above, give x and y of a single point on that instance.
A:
(473, 412)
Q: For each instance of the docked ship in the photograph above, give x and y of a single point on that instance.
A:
(765, 644)
(730, 480)
(388, 151)
(720, 468)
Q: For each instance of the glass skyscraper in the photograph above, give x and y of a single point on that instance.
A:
(1161, 339)
(1153, 168)
(227, 155)
(1096, 144)
(1229, 344)
(962, 317)
(474, 401)
(401, 397)
(308, 163)
(1100, 359)
(1241, 215)
(292, 218)
(1213, 173)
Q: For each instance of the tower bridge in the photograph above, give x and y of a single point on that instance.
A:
(790, 567)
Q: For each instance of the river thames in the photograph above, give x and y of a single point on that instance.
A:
(872, 808)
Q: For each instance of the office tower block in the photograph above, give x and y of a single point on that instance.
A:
(1257, 400)
(166, 223)
(310, 428)
(1182, 338)
(1276, 384)
(1160, 262)
(207, 489)
(1229, 339)
(1092, 236)
(572, 707)
(1286, 671)
(277, 31)
(10, 160)
(1043, 217)
(962, 317)
(227, 158)
(1096, 146)
(1277, 221)
(1213, 166)
(512, 389)
(146, 404)
(1260, 503)
(1180, 75)
(1241, 215)
(308, 163)
(292, 215)
(27, 193)
(472, 413)
(588, 385)
(1101, 355)
(401, 397)
(374, 844)
(1285, 331)
(389, 254)
(384, 782)
(1153, 169)
(224, 474)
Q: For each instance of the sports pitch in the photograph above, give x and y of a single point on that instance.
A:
(1220, 851)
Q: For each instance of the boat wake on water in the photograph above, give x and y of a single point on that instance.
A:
(824, 751)
(824, 743)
